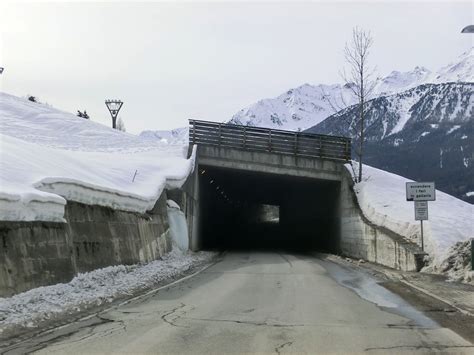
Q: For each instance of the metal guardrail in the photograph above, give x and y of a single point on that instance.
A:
(269, 140)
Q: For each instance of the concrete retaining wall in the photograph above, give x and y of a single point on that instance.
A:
(362, 239)
(35, 254)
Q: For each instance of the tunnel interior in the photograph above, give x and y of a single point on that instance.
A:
(256, 211)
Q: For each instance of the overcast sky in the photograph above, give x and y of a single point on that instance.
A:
(170, 61)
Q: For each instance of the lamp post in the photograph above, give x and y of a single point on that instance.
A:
(114, 107)
(468, 29)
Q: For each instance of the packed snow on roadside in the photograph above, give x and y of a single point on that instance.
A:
(50, 156)
(382, 198)
(92, 289)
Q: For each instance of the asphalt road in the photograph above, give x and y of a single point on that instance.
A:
(266, 303)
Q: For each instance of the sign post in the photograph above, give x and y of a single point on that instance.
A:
(421, 214)
(421, 193)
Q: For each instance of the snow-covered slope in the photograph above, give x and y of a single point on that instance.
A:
(381, 196)
(49, 156)
(400, 81)
(460, 70)
(296, 109)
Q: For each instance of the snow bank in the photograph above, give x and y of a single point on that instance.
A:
(49, 156)
(178, 226)
(381, 196)
(92, 289)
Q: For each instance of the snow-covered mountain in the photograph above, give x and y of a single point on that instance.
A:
(400, 81)
(296, 109)
(307, 105)
(461, 70)
(448, 103)
(422, 133)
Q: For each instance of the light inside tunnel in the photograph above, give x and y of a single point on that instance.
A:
(252, 210)
(268, 213)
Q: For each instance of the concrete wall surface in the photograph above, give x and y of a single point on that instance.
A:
(34, 254)
(267, 162)
(362, 239)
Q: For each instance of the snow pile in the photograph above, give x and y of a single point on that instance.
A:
(92, 289)
(457, 266)
(382, 198)
(178, 226)
(49, 156)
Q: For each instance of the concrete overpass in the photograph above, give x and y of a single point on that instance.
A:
(242, 173)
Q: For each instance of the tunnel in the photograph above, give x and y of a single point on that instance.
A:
(248, 210)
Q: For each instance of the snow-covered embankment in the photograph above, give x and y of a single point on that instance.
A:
(382, 198)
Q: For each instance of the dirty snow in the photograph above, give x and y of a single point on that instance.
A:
(49, 156)
(457, 266)
(178, 226)
(453, 128)
(91, 289)
(382, 198)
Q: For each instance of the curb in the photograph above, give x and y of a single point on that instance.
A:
(46, 332)
(399, 276)
(444, 300)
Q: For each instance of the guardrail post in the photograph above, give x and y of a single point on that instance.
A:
(348, 151)
(194, 131)
(296, 143)
(220, 134)
(270, 140)
(320, 147)
(245, 136)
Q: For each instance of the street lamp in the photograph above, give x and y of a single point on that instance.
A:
(468, 29)
(114, 108)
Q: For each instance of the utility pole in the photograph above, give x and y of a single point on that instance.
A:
(114, 107)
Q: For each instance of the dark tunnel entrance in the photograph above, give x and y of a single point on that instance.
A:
(253, 210)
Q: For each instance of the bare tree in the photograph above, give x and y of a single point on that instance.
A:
(359, 80)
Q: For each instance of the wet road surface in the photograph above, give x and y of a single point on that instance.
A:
(271, 302)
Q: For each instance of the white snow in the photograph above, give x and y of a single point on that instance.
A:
(453, 128)
(297, 109)
(397, 142)
(470, 193)
(49, 156)
(178, 227)
(400, 81)
(382, 198)
(93, 288)
(424, 134)
(460, 70)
